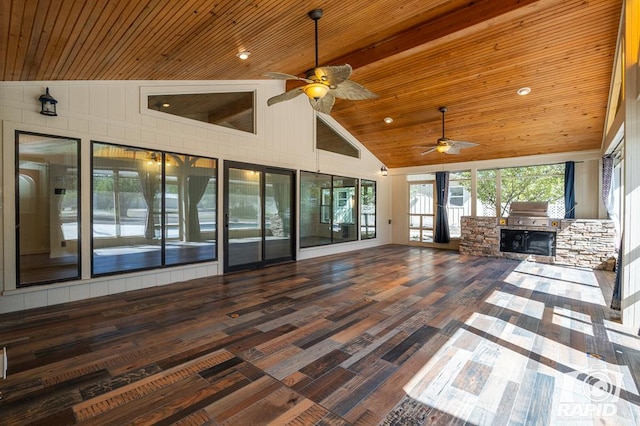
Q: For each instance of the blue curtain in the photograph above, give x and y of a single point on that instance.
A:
(569, 190)
(442, 222)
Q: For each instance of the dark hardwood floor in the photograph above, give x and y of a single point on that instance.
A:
(395, 335)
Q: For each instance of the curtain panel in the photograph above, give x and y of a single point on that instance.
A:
(196, 187)
(569, 190)
(442, 221)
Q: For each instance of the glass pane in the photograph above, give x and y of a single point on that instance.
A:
(329, 140)
(533, 183)
(459, 201)
(427, 236)
(315, 209)
(368, 209)
(421, 198)
(414, 221)
(234, 110)
(486, 190)
(190, 209)
(278, 216)
(126, 207)
(48, 208)
(344, 209)
(421, 177)
(245, 217)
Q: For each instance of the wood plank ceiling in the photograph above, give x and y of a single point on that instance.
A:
(418, 55)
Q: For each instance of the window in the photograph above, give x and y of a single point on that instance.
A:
(459, 203)
(498, 188)
(456, 196)
(345, 194)
(367, 209)
(421, 211)
(328, 209)
(234, 110)
(486, 190)
(151, 209)
(47, 208)
(315, 209)
(190, 203)
(328, 139)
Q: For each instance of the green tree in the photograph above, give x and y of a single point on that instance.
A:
(531, 183)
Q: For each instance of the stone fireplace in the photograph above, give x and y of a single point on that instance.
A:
(586, 243)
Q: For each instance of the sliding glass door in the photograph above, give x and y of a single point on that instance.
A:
(257, 216)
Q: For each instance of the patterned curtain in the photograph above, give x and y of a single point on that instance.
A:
(607, 179)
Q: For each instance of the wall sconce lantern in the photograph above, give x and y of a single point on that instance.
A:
(48, 104)
(384, 171)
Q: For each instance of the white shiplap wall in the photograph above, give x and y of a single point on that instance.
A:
(114, 111)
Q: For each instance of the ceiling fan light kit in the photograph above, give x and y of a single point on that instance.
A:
(443, 147)
(324, 84)
(315, 91)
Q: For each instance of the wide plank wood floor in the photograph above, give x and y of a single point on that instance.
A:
(395, 335)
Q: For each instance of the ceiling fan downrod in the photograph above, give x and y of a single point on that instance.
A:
(443, 110)
(316, 14)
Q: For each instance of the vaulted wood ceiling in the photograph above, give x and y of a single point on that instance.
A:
(417, 55)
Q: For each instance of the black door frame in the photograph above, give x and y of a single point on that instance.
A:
(225, 211)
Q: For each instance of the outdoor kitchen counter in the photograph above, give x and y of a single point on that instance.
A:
(587, 243)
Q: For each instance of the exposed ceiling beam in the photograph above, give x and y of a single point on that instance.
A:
(470, 19)
(474, 17)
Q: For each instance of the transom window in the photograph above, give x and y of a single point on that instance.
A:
(328, 139)
(234, 110)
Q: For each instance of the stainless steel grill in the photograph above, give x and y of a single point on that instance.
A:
(529, 213)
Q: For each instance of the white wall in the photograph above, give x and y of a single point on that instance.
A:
(114, 111)
(631, 225)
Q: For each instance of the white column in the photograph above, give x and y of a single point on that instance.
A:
(631, 242)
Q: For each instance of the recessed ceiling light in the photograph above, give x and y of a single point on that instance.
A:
(243, 55)
(388, 120)
(166, 105)
(524, 91)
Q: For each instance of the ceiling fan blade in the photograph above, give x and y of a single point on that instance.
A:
(323, 104)
(333, 75)
(285, 96)
(428, 151)
(453, 150)
(353, 91)
(462, 144)
(283, 76)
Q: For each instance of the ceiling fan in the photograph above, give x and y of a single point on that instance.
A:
(446, 145)
(324, 84)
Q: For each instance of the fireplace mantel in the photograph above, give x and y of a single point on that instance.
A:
(579, 242)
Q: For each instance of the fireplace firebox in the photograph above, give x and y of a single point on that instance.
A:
(542, 243)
